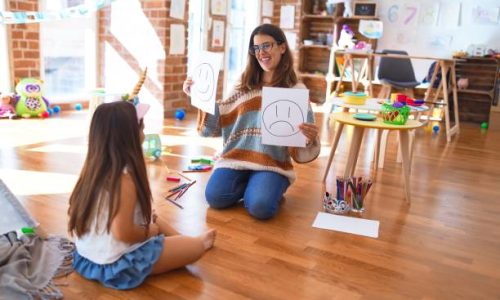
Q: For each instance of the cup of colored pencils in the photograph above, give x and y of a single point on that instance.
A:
(355, 190)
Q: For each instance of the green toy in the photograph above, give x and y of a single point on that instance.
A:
(30, 101)
(484, 125)
(152, 146)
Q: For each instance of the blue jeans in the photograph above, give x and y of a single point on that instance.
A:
(261, 190)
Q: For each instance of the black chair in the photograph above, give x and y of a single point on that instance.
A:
(396, 73)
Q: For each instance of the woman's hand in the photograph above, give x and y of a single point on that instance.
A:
(310, 130)
(186, 86)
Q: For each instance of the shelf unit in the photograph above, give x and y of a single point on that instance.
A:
(318, 28)
(475, 101)
(323, 30)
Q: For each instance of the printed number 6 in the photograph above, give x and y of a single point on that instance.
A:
(393, 14)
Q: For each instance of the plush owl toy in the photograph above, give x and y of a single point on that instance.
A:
(30, 102)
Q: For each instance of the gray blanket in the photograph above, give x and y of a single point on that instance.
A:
(28, 265)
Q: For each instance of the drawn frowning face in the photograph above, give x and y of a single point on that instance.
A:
(282, 118)
(204, 81)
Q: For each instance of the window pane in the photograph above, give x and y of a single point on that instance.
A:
(68, 54)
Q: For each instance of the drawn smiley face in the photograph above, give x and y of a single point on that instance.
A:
(282, 118)
(204, 81)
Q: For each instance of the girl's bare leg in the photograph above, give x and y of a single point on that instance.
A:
(179, 251)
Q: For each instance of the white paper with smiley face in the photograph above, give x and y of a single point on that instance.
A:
(283, 110)
(205, 75)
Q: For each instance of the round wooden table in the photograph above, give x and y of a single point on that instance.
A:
(345, 118)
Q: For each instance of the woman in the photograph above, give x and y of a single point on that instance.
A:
(247, 169)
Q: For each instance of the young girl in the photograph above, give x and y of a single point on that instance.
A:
(249, 170)
(119, 240)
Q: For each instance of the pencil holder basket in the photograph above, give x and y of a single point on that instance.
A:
(396, 113)
(334, 206)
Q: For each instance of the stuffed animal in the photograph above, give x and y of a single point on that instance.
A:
(30, 102)
(6, 108)
(346, 37)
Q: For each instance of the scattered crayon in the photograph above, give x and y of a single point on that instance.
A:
(174, 203)
(172, 178)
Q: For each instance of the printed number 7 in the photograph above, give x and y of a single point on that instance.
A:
(411, 15)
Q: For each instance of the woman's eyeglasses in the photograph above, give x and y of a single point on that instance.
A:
(265, 47)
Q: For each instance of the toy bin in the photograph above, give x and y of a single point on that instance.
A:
(396, 113)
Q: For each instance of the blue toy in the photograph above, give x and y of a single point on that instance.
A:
(78, 106)
(435, 128)
(56, 109)
(180, 114)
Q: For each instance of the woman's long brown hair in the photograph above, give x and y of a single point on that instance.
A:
(114, 144)
(283, 76)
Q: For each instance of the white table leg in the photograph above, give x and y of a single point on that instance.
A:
(404, 142)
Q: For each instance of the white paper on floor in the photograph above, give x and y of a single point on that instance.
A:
(347, 224)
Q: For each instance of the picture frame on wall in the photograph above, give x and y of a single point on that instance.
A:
(364, 9)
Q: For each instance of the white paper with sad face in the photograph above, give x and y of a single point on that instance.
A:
(205, 74)
(283, 110)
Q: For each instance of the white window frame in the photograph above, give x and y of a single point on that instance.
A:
(91, 53)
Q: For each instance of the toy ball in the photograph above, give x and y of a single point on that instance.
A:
(484, 125)
(78, 106)
(57, 109)
(50, 111)
(45, 114)
(435, 128)
(180, 114)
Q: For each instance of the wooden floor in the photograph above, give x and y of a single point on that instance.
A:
(445, 245)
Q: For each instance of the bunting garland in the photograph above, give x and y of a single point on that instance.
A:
(23, 17)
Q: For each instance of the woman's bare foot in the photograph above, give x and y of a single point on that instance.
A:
(208, 238)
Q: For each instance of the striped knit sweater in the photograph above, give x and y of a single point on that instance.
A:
(238, 120)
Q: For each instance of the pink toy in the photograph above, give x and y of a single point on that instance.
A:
(6, 106)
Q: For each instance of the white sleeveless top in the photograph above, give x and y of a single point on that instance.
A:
(99, 246)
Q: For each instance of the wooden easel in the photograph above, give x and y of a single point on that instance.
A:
(444, 66)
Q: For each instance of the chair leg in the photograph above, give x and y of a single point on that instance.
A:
(384, 91)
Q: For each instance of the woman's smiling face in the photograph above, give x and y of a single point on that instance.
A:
(269, 53)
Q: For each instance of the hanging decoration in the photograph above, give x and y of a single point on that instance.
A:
(23, 17)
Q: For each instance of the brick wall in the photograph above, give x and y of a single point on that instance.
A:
(24, 42)
(165, 80)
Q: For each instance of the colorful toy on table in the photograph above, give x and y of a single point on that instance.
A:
(30, 100)
(7, 109)
(414, 102)
(355, 98)
(396, 113)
